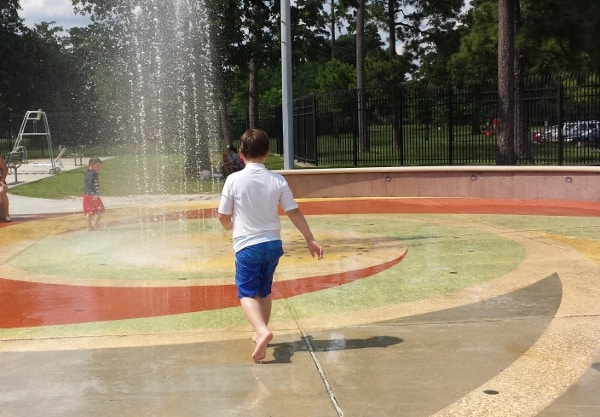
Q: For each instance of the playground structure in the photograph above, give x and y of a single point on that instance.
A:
(35, 124)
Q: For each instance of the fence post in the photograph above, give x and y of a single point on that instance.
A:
(356, 123)
(559, 111)
(450, 126)
(398, 104)
(313, 122)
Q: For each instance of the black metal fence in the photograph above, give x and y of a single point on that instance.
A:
(415, 124)
(447, 124)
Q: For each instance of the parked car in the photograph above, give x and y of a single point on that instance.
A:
(551, 135)
(582, 131)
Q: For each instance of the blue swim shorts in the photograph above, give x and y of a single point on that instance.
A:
(254, 268)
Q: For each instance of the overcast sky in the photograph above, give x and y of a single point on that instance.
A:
(59, 11)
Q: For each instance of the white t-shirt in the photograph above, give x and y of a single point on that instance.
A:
(252, 196)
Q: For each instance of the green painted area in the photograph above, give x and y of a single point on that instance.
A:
(446, 253)
(579, 227)
(143, 252)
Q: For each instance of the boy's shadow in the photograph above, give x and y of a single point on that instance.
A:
(284, 351)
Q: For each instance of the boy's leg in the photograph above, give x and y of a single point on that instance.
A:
(255, 266)
(87, 211)
(88, 220)
(97, 221)
(265, 305)
(253, 309)
(4, 202)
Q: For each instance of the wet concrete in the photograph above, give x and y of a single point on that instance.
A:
(412, 367)
(524, 341)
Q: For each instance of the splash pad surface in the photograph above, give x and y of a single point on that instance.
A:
(411, 290)
(170, 267)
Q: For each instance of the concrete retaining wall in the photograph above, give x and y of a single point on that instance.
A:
(523, 182)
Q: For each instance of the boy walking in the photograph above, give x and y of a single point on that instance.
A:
(249, 205)
(92, 203)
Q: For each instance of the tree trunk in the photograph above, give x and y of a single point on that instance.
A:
(396, 132)
(253, 80)
(392, 26)
(225, 132)
(505, 149)
(522, 135)
(363, 131)
(332, 28)
(253, 95)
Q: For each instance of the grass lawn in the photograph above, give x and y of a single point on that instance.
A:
(128, 175)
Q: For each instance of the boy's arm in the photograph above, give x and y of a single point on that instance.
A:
(226, 220)
(299, 221)
(4, 169)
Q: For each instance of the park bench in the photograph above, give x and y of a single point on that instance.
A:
(13, 161)
(78, 154)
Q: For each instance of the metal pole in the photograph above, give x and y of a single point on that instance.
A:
(286, 85)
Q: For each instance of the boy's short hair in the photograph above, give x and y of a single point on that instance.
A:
(94, 160)
(254, 143)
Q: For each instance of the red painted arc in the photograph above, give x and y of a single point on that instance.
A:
(32, 304)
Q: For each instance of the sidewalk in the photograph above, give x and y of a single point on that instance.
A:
(35, 170)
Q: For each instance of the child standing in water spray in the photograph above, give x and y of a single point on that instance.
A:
(248, 205)
(92, 203)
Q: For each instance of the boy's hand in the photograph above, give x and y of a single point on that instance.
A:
(315, 249)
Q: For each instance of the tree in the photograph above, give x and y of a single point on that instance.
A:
(39, 71)
(262, 44)
(336, 75)
(10, 22)
(422, 26)
(477, 55)
(226, 39)
(100, 58)
(361, 39)
(502, 24)
(54, 76)
(512, 144)
(165, 76)
(559, 35)
(332, 23)
(505, 142)
(522, 140)
(338, 11)
(12, 69)
(258, 22)
(364, 145)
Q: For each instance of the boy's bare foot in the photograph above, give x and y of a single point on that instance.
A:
(262, 339)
